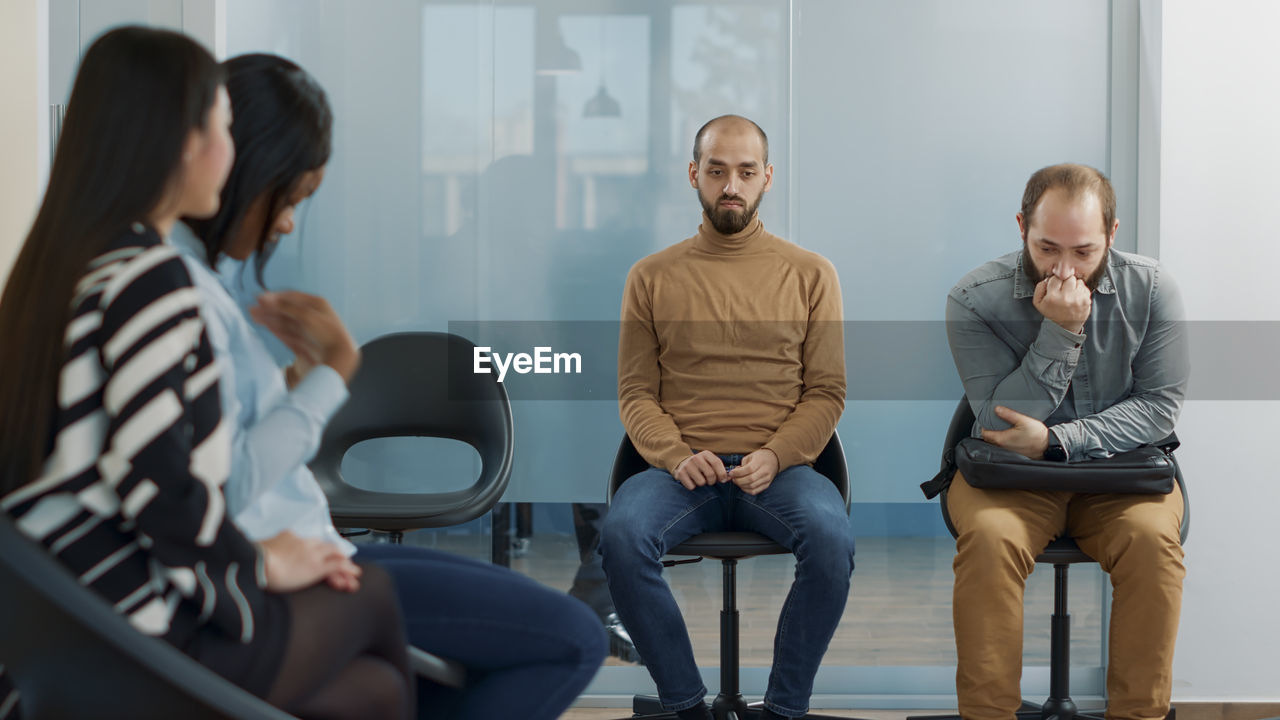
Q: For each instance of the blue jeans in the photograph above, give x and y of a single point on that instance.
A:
(801, 510)
(529, 650)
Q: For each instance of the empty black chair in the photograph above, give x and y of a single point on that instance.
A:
(418, 384)
(71, 656)
(1061, 553)
(728, 548)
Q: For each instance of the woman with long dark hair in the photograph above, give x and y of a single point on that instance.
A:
(528, 650)
(114, 448)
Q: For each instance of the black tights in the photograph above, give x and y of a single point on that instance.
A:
(346, 658)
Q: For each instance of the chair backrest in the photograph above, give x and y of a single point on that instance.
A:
(70, 655)
(830, 463)
(418, 384)
(961, 427)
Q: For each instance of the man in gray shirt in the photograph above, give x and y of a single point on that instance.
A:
(1068, 350)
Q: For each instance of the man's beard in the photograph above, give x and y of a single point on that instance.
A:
(725, 220)
(1035, 275)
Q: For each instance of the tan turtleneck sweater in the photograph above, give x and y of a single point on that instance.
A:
(731, 343)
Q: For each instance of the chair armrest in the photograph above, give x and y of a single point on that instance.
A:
(437, 669)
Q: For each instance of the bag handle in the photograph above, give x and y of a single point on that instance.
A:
(935, 485)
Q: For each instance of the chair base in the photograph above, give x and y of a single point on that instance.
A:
(648, 707)
(1035, 711)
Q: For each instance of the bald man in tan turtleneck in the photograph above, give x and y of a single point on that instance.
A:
(730, 383)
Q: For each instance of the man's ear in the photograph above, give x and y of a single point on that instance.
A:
(768, 177)
(1114, 227)
(1022, 226)
(693, 174)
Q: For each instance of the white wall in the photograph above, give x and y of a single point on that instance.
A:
(24, 124)
(40, 46)
(206, 22)
(1219, 114)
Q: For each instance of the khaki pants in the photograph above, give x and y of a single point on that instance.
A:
(1135, 538)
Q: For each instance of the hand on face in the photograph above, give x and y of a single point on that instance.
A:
(1028, 436)
(757, 471)
(1064, 298)
(309, 327)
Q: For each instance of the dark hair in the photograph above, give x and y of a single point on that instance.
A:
(282, 127)
(702, 131)
(137, 96)
(1075, 180)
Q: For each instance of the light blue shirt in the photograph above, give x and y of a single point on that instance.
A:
(276, 430)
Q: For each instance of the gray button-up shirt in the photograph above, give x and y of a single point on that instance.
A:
(1116, 386)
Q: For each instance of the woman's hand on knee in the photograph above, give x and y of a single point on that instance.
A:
(293, 563)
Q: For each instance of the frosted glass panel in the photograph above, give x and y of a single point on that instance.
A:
(469, 181)
(916, 127)
(471, 188)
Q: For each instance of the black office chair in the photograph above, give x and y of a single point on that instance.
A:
(418, 384)
(71, 656)
(1061, 553)
(728, 548)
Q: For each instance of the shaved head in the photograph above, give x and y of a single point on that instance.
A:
(734, 122)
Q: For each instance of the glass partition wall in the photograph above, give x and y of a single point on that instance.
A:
(498, 166)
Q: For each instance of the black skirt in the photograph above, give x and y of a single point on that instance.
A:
(253, 665)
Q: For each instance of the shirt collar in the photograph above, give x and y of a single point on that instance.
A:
(184, 239)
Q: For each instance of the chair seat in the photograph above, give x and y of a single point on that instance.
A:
(1063, 550)
(728, 546)
(352, 506)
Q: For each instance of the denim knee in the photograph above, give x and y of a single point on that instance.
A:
(828, 545)
(580, 624)
(624, 540)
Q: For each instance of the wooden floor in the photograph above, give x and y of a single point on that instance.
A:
(899, 609)
(1186, 711)
(617, 713)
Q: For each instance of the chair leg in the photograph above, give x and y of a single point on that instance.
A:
(500, 535)
(729, 703)
(1059, 705)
